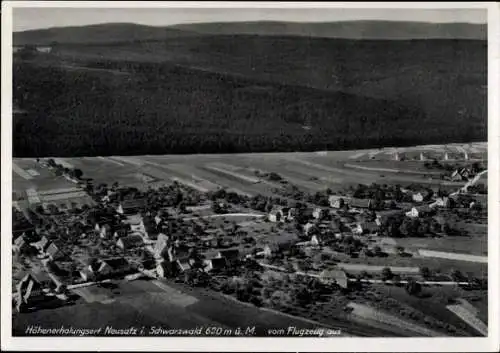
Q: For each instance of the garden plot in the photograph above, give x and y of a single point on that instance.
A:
(64, 163)
(59, 191)
(64, 196)
(33, 172)
(217, 167)
(21, 172)
(453, 256)
(128, 160)
(109, 160)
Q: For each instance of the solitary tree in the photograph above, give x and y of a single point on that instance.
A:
(387, 274)
(425, 272)
(77, 173)
(413, 287)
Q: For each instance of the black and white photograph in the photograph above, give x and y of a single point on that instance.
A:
(248, 171)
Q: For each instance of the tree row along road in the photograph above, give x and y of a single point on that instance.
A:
(378, 268)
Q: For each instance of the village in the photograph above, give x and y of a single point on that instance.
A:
(329, 242)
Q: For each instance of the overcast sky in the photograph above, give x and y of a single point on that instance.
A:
(34, 18)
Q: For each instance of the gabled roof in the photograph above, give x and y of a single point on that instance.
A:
(360, 203)
(53, 251)
(117, 263)
(230, 253)
(132, 241)
(336, 274)
(217, 262)
(19, 241)
(370, 226)
(423, 208)
(133, 203)
(333, 198)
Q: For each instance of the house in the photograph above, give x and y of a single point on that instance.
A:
(229, 254)
(53, 252)
(29, 292)
(105, 231)
(131, 206)
(161, 246)
(282, 214)
(417, 197)
(337, 201)
(384, 216)
(338, 277)
(462, 174)
(308, 227)
(413, 213)
(20, 245)
(319, 213)
(182, 265)
(324, 239)
(367, 228)
(276, 215)
(271, 249)
(42, 244)
(444, 202)
(136, 223)
(165, 268)
(102, 269)
(419, 211)
(361, 203)
(130, 241)
(115, 267)
(214, 264)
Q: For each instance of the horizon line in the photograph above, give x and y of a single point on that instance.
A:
(255, 21)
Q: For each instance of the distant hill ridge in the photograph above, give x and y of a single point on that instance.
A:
(128, 32)
(346, 29)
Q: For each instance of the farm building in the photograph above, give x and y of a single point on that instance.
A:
(165, 268)
(133, 206)
(324, 239)
(20, 245)
(338, 277)
(419, 211)
(42, 244)
(308, 228)
(130, 242)
(360, 203)
(182, 265)
(271, 250)
(337, 201)
(444, 202)
(109, 268)
(214, 264)
(367, 228)
(383, 216)
(319, 213)
(29, 292)
(229, 254)
(462, 174)
(281, 214)
(417, 197)
(53, 252)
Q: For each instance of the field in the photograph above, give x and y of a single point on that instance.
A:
(145, 303)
